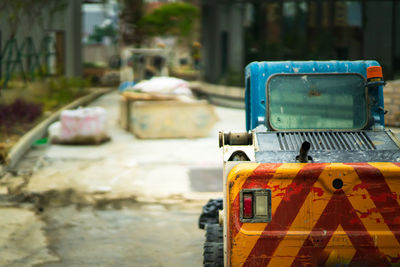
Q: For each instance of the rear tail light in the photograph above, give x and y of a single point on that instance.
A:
(255, 205)
(248, 206)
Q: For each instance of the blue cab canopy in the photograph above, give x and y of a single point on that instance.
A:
(257, 75)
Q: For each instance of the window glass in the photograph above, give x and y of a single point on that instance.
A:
(317, 101)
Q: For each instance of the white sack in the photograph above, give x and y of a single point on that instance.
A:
(164, 85)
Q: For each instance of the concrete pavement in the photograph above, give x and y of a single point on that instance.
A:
(127, 202)
(151, 170)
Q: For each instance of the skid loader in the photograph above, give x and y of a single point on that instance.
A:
(316, 179)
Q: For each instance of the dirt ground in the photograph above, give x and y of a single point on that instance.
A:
(127, 202)
(126, 234)
(123, 233)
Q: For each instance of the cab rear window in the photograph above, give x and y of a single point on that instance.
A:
(317, 101)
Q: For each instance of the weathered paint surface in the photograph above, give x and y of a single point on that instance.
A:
(314, 224)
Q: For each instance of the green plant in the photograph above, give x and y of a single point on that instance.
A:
(170, 19)
(61, 90)
(101, 32)
(93, 65)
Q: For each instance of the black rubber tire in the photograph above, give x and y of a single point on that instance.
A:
(214, 233)
(210, 212)
(213, 254)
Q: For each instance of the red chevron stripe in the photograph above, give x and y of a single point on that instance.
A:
(374, 182)
(339, 211)
(259, 179)
(286, 212)
(236, 224)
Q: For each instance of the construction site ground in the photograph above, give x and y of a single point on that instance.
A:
(127, 202)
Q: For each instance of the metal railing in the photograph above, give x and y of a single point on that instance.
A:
(24, 59)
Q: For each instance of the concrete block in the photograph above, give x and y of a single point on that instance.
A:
(171, 119)
(388, 88)
(387, 101)
(395, 97)
(124, 113)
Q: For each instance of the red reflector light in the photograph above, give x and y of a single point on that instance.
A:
(247, 206)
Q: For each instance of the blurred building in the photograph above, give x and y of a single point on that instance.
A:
(239, 32)
(100, 34)
(98, 15)
(49, 36)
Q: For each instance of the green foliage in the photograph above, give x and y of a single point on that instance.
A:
(170, 19)
(62, 90)
(94, 65)
(101, 32)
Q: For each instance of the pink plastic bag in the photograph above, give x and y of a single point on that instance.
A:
(82, 123)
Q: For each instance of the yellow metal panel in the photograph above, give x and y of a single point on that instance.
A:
(249, 233)
(312, 221)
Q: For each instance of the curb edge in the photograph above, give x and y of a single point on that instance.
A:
(26, 141)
